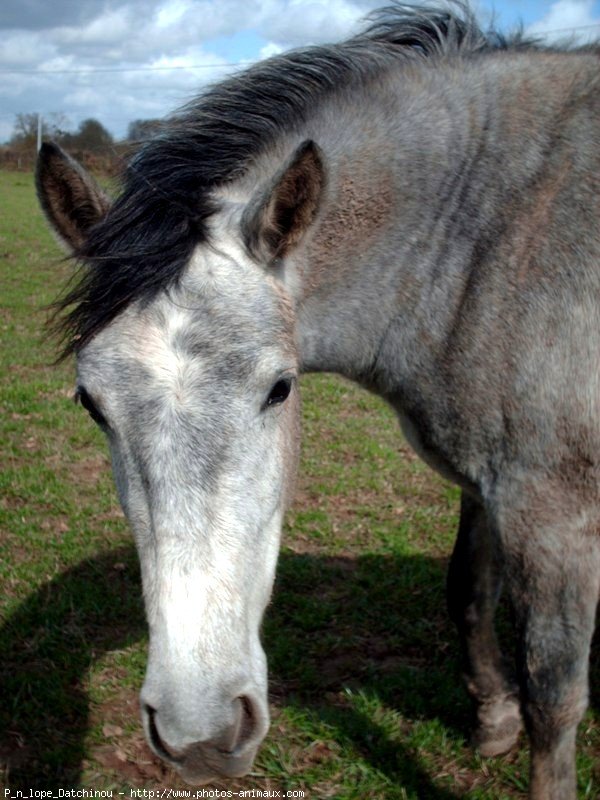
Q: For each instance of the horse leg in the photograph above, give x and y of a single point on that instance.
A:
(473, 589)
(554, 579)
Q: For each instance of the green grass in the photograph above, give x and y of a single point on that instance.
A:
(366, 695)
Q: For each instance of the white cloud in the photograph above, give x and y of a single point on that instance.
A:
(270, 49)
(299, 22)
(22, 49)
(149, 34)
(183, 33)
(171, 13)
(85, 97)
(57, 63)
(564, 15)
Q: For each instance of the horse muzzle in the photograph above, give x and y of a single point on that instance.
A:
(228, 754)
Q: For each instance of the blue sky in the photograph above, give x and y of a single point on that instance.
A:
(119, 60)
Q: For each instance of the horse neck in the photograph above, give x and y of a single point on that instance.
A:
(364, 265)
(416, 202)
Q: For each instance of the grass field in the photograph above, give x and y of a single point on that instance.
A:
(366, 693)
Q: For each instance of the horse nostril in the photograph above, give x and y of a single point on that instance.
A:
(248, 721)
(242, 729)
(155, 739)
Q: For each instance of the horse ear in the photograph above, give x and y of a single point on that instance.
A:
(70, 198)
(276, 219)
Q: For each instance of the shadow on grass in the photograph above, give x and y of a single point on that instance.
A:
(351, 641)
(46, 649)
(373, 627)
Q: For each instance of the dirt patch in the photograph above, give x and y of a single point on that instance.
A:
(123, 749)
(136, 765)
(91, 469)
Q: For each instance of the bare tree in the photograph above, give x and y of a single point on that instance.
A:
(25, 128)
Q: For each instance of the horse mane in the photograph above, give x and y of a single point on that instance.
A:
(144, 243)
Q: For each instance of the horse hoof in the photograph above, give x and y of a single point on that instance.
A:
(499, 726)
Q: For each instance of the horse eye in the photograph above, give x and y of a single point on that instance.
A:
(87, 403)
(279, 393)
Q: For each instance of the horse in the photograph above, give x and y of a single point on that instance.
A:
(415, 208)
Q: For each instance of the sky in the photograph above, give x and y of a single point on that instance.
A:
(121, 60)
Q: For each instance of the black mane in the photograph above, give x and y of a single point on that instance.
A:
(148, 236)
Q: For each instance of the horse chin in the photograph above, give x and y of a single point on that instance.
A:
(203, 762)
(196, 774)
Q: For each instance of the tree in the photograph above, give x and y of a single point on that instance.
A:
(26, 128)
(93, 136)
